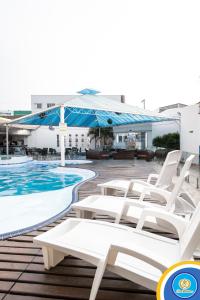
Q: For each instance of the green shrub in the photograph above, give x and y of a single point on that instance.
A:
(168, 141)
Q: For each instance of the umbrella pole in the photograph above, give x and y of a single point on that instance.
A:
(99, 137)
(62, 138)
(7, 141)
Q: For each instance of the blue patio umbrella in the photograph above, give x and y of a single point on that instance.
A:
(89, 110)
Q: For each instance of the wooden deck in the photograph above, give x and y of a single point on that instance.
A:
(22, 274)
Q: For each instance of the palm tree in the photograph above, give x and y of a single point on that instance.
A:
(104, 135)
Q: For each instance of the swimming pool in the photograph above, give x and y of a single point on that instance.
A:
(34, 178)
(37, 194)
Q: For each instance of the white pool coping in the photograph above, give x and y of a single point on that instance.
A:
(14, 160)
(30, 160)
(23, 213)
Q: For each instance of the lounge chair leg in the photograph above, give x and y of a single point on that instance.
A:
(126, 194)
(89, 215)
(78, 213)
(117, 219)
(97, 279)
(142, 196)
(51, 257)
(103, 191)
(107, 191)
(84, 214)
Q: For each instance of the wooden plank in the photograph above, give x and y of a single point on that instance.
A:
(70, 262)
(9, 275)
(2, 296)
(5, 286)
(116, 284)
(13, 266)
(70, 271)
(74, 292)
(21, 297)
(16, 244)
(25, 251)
(16, 258)
(22, 238)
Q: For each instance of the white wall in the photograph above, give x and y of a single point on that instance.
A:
(190, 129)
(43, 137)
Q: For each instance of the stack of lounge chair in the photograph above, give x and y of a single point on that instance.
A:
(132, 253)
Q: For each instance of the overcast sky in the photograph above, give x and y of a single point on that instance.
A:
(145, 49)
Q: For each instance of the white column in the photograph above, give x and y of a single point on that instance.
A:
(7, 140)
(117, 138)
(146, 139)
(62, 141)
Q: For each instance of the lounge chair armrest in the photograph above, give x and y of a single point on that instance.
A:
(133, 181)
(178, 222)
(184, 206)
(144, 183)
(140, 204)
(114, 250)
(151, 176)
(157, 191)
(134, 203)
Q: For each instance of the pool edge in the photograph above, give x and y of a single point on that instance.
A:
(52, 219)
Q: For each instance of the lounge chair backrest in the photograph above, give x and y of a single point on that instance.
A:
(185, 203)
(169, 169)
(191, 237)
(177, 187)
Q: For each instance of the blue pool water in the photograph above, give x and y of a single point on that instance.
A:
(34, 178)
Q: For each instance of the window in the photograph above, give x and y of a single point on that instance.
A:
(38, 105)
(76, 140)
(50, 105)
(82, 134)
(76, 134)
(82, 140)
(58, 140)
(120, 138)
(70, 140)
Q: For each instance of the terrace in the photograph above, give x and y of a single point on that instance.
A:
(22, 273)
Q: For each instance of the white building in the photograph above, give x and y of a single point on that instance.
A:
(145, 133)
(190, 130)
(48, 137)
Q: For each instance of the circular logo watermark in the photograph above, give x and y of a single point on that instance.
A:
(184, 285)
(181, 281)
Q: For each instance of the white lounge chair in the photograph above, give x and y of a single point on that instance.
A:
(163, 179)
(131, 253)
(130, 210)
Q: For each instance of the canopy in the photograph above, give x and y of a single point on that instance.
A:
(88, 110)
(91, 111)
